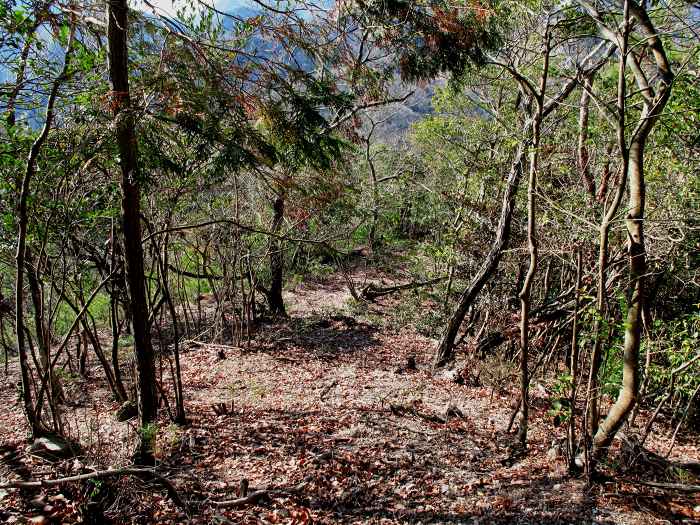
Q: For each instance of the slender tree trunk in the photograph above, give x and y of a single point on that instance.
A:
(599, 334)
(547, 281)
(602, 192)
(633, 324)
(582, 155)
(573, 364)
(603, 246)
(89, 335)
(114, 321)
(43, 338)
(83, 353)
(274, 297)
(647, 356)
(525, 296)
(372, 237)
(445, 351)
(180, 415)
(114, 290)
(117, 12)
(374, 187)
(526, 292)
(654, 103)
(23, 223)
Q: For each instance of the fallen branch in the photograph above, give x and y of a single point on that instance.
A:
(258, 495)
(371, 292)
(680, 487)
(327, 389)
(101, 474)
(213, 346)
(400, 410)
(251, 498)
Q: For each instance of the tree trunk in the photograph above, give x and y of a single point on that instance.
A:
(573, 365)
(655, 101)
(131, 227)
(82, 353)
(114, 290)
(633, 324)
(374, 186)
(180, 415)
(43, 338)
(526, 292)
(603, 246)
(445, 351)
(274, 297)
(598, 334)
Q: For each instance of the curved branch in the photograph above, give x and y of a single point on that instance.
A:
(102, 474)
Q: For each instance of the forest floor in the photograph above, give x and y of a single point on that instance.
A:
(320, 410)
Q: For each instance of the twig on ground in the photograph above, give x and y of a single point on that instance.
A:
(372, 292)
(327, 389)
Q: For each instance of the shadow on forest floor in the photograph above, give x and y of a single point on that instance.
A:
(369, 467)
(317, 337)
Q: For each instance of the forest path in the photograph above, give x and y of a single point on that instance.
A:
(322, 399)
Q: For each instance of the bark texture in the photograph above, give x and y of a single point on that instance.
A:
(117, 12)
